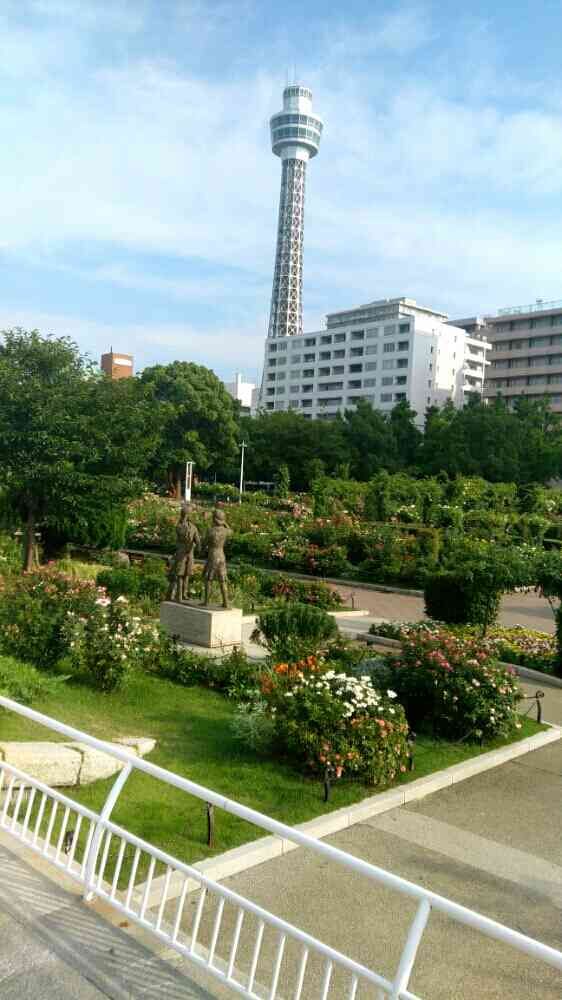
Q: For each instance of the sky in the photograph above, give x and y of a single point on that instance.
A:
(139, 194)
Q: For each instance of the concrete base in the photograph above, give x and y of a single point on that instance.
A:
(209, 627)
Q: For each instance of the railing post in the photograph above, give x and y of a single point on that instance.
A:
(92, 856)
(410, 950)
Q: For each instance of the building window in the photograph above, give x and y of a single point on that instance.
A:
(356, 352)
(403, 345)
(402, 363)
(324, 356)
(401, 379)
(387, 365)
(295, 389)
(386, 397)
(371, 349)
(273, 362)
(356, 368)
(357, 334)
(338, 369)
(399, 396)
(281, 376)
(307, 388)
(269, 406)
(371, 366)
(271, 391)
(369, 383)
(306, 403)
(330, 386)
(280, 389)
(310, 342)
(293, 404)
(339, 354)
(308, 373)
(282, 346)
(326, 339)
(324, 371)
(354, 384)
(387, 381)
(281, 361)
(372, 332)
(271, 377)
(296, 373)
(296, 359)
(272, 348)
(339, 338)
(389, 330)
(403, 328)
(309, 358)
(389, 348)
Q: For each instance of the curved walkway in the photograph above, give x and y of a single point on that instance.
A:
(516, 609)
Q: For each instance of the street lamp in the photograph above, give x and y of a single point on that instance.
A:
(243, 447)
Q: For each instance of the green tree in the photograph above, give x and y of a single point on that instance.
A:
(407, 435)
(370, 440)
(288, 437)
(199, 418)
(72, 442)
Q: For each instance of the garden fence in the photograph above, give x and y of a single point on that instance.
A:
(277, 959)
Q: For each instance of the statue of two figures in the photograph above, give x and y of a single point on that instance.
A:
(188, 540)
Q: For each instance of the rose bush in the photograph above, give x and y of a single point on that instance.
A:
(455, 688)
(324, 719)
(33, 614)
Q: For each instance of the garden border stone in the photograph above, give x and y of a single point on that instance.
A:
(240, 859)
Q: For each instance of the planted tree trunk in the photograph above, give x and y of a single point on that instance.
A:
(29, 551)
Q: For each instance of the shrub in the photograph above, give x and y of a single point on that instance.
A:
(21, 681)
(148, 580)
(291, 631)
(234, 674)
(303, 591)
(34, 609)
(10, 554)
(104, 646)
(332, 720)
(452, 597)
(119, 581)
(254, 727)
(454, 687)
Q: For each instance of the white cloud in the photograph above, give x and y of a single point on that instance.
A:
(224, 348)
(419, 189)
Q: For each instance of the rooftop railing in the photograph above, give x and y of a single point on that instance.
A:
(78, 841)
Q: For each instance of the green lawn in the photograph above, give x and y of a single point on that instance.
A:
(192, 730)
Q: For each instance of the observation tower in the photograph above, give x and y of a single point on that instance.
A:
(295, 137)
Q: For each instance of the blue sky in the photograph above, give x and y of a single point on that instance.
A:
(138, 199)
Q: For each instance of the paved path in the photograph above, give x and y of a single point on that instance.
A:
(516, 609)
(54, 947)
(492, 843)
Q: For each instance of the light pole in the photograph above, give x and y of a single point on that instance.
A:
(243, 447)
(188, 481)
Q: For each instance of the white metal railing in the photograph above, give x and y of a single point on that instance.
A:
(78, 841)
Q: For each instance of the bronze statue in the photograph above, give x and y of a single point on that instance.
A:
(181, 566)
(215, 567)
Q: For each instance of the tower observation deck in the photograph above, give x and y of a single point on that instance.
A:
(295, 137)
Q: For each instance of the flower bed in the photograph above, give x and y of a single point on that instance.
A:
(454, 687)
(517, 644)
(323, 719)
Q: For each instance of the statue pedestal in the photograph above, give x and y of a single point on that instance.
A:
(211, 626)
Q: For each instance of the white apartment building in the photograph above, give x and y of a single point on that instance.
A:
(384, 352)
(245, 392)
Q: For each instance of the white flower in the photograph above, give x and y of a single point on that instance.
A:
(391, 694)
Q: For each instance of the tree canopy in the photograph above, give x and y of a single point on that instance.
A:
(198, 417)
(71, 440)
(490, 440)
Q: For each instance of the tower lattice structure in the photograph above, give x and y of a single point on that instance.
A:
(295, 137)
